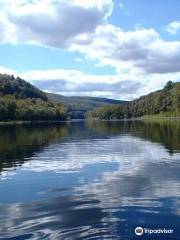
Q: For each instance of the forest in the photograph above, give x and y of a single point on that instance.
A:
(165, 102)
(19, 100)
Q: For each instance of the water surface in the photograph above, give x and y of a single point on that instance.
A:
(89, 180)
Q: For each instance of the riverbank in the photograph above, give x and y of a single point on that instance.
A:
(146, 118)
(38, 122)
(153, 117)
(28, 122)
(159, 118)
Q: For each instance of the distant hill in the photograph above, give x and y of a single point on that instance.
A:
(19, 100)
(165, 102)
(78, 106)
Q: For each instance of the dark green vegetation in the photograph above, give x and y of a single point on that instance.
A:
(20, 100)
(165, 102)
(78, 106)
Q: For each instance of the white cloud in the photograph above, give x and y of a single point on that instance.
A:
(5, 70)
(53, 23)
(140, 55)
(125, 86)
(173, 27)
(140, 50)
(83, 26)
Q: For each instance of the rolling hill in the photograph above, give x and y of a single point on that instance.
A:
(78, 106)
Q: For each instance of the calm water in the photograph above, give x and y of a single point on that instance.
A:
(89, 180)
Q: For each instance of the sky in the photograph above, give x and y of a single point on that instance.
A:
(118, 49)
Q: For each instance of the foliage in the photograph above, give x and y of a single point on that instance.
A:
(165, 101)
(78, 106)
(9, 85)
(19, 100)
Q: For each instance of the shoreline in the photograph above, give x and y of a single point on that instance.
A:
(28, 122)
(151, 118)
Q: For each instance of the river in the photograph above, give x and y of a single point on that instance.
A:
(90, 180)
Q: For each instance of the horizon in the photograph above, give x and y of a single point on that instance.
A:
(87, 96)
(120, 99)
(109, 49)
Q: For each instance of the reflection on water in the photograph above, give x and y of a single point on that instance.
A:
(93, 180)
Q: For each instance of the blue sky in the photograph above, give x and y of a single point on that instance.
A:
(24, 57)
(73, 47)
(148, 14)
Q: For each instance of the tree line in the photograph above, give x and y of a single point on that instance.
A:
(165, 102)
(20, 100)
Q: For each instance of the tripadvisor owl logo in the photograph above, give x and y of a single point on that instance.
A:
(139, 231)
